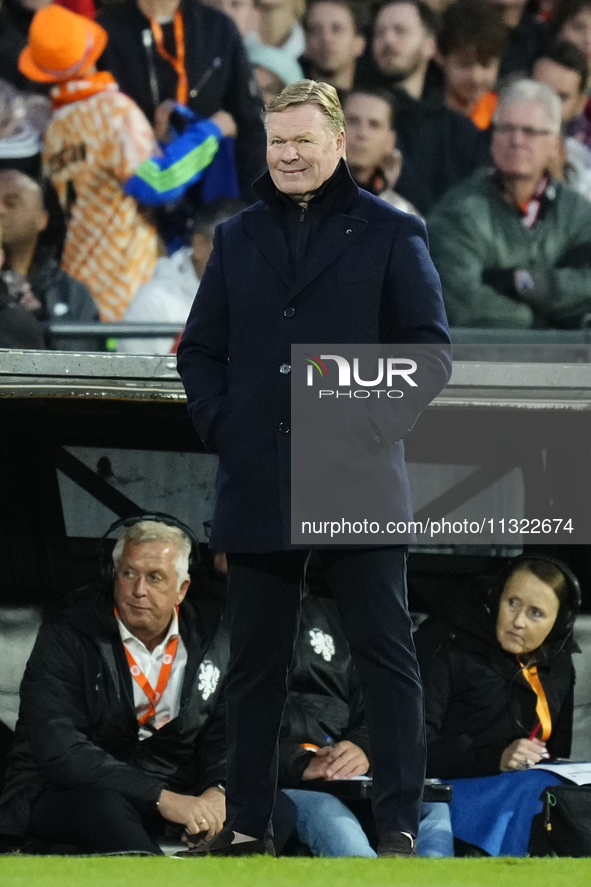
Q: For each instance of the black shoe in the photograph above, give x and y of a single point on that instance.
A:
(397, 844)
(222, 845)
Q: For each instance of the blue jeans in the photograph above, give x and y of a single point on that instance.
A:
(435, 837)
(329, 828)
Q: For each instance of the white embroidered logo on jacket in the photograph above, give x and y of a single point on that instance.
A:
(209, 676)
(323, 644)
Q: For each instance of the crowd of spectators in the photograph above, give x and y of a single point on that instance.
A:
(131, 119)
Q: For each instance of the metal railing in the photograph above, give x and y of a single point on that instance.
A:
(459, 335)
(113, 330)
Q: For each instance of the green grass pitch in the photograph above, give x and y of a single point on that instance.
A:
(260, 871)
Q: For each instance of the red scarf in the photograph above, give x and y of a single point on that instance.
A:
(74, 90)
(530, 209)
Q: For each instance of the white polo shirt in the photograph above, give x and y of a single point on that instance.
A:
(168, 705)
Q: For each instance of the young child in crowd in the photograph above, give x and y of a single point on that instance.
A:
(470, 45)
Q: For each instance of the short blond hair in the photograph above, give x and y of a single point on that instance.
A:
(310, 92)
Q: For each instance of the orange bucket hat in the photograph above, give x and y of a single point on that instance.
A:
(61, 45)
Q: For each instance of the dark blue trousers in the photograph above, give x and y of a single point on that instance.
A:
(369, 588)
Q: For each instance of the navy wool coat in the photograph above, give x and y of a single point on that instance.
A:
(367, 279)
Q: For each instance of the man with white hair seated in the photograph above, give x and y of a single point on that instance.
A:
(512, 245)
(121, 727)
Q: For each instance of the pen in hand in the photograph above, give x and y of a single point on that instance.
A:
(533, 735)
(535, 731)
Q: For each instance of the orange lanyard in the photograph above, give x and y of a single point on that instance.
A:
(542, 709)
(139, 677)
(178, 62)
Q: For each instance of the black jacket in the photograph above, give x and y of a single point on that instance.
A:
(219, 74)
(18, 327)
(15, 22)
(65, 299)
(77, 724)
(365, 277)
(477, 700)
(527, 42)
(324, 691)
(439, 148)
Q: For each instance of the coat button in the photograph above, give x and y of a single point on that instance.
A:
(289, 312)
(285, 369)
(283, 427)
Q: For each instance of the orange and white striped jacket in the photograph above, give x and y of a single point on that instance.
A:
(92, 147)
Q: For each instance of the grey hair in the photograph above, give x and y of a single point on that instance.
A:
(154, 531)
(531, 91)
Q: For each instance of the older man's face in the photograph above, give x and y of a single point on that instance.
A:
(302, 151)
(146, 587)
(523, 145)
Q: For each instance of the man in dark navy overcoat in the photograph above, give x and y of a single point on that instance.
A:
(315, 260)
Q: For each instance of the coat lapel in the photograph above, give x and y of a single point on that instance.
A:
(336, 235)
(262, 227)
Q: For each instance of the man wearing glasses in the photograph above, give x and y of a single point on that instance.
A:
(513, 245)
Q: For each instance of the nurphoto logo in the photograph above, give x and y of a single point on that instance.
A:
(389, 370)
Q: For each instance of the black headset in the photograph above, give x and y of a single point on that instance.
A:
(107, 568)
(568, 611)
